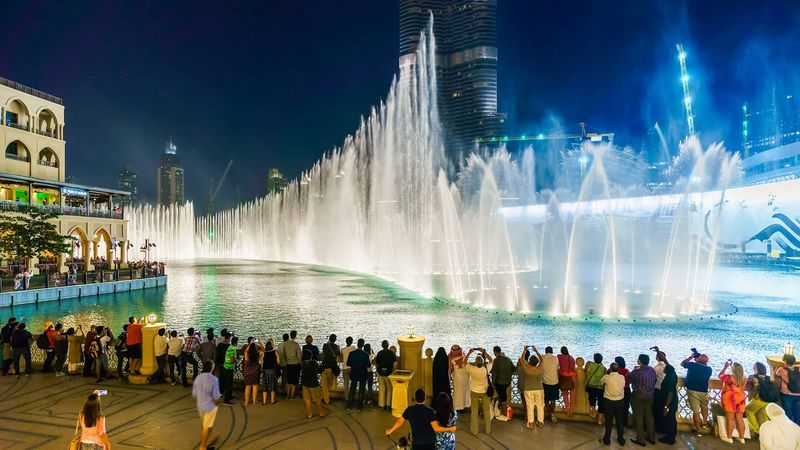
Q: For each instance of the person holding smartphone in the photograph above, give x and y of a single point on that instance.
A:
(93, 424)
(479, 387)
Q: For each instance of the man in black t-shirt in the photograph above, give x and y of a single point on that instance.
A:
(385, 364)
(330, 367)
(423, 424)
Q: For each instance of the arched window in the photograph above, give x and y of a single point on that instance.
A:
(17, 150)
(16, 115)
(48, 124)
(47, 157)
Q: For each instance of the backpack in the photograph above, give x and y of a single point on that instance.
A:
(766, 390)
(794, 380)
(42, 342)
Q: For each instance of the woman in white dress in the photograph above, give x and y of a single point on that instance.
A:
(460, 378)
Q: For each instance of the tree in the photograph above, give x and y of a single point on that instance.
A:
(30, 234)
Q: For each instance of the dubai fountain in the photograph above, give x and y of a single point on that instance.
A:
(385, 204)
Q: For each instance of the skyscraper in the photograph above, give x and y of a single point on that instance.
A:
(127, 182)
(170, 177)
(466, 59)
(276, 182)
(777, 123)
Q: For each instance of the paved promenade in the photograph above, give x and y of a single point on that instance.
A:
(39, 413)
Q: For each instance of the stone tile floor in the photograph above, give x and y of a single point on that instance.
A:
(39, 412)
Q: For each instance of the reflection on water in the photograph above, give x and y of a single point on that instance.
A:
(256, 298)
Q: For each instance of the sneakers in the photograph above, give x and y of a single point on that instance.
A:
(501, 418)
(553, 418)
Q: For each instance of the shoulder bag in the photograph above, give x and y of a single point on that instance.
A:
(335, 367)
(490, 388)
(75, 443)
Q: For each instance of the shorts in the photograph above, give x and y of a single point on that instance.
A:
(208, 419)
(567, 382)
(293, 374)
(502, 392)
(595, 397)
(135, 351)
(312, 394)
(697, 401)
(551, 392)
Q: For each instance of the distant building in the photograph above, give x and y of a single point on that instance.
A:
(656, 155)
(276, 182)
(770, 126)
(127, 182)
(466, 59)
(776, 164)
(170, 177)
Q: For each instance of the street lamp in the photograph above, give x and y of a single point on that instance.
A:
(788, 349)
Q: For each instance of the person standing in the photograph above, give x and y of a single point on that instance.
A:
(614, 404)
(330, 367)
(789, 376)
(89, 351)
(219, 359)
(282, 372)
(174, 346)
(251, 371)
(595, 371)
(478, 390)
(190, 347)
(643, 381)
(446, 417)
(312, 393)
(349, 347)
(309, 345)
(424, 423)
(567, 377)
(50, 351)
(669, 418)
(121, 349)
(370, 373)
(549, 364)
(205, 390)
(778, 433)
(532, 388)
(733, 399)
(385, 364)
(658, 396)
(134, 344)
(294, 357)
(269, 377)
(160, 353)
(502, 372)
(460, 378)
(697, 375)
(101, 353)
(75, 342)
(208, 348)
(5, 339)
(60, 341)
(761, 392)
(623, 370)
(441, 374)
(21, 348)
(358, 361)
(228, 367)
(93, 425)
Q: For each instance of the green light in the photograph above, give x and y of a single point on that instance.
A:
(505, 138)
(524, 137)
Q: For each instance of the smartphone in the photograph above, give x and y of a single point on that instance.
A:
(102, 392)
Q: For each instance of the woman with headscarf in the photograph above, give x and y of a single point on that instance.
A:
(441, 375)
(456, 365)
(778, 433)
(669, 390)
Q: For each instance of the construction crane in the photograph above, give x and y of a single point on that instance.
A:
(687, 99)
(212, 193)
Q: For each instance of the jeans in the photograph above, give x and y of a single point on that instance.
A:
(88, 365)
(658, 410)
(161, 361)
(643, 417)
(361, 384)
(480, 402)
(8, 357)
(48, 360)
(791, 404)
(173, 361)
(226, 384)
(22, 352)
(121, 357)
(670, 421)
(384, 391)
(61, 358)
(186, 360)
(615, 414)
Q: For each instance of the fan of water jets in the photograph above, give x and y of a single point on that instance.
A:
(382, 204)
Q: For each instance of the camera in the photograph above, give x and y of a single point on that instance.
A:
(695, 353)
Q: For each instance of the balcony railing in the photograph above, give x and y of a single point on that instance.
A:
(18, 126)
(44, 162)
(31, 91)
(23, 158)
(51, 134)
(10, 205)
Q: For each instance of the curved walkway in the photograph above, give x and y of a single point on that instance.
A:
(38, 412)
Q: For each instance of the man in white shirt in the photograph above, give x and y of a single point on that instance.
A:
(174, 347)
(478, 385)
(549, 365)
(614, 404)
(160, 353)
(349, 347)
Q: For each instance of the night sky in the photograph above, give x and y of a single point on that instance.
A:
(274, 84)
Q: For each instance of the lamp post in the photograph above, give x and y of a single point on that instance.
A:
(788, 349)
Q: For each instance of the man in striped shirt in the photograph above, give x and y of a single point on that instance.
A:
(643, 379)
(190, 346)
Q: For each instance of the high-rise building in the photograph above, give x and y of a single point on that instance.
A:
(466, 59)
(126, 181)
(777, 123)
(170, 177)
(276, 182)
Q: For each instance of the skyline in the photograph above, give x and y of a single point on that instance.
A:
(326, 66)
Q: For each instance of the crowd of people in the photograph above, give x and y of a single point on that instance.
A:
(644, 397)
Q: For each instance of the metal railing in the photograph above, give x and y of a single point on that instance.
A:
(31, 91)
(18, 126)
(45, 162)
(51, 134)
(47, 279)
(23, 158)
(15, 206)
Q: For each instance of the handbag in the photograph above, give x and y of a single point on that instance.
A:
(490, 389)
(75, 443)
(335, 367)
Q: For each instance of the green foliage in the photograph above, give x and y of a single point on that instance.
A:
(31, 234)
